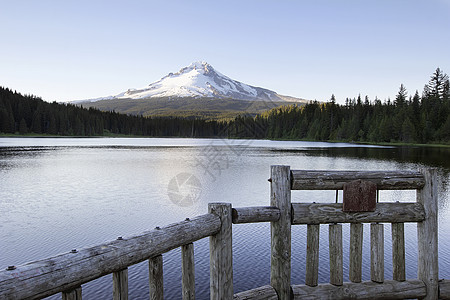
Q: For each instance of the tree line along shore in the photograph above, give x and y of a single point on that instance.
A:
(419, 118)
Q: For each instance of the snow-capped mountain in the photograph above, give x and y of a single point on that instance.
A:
(199, 80)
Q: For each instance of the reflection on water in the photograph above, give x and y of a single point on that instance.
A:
(61, 194)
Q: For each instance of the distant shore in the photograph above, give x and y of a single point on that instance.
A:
(397, 144)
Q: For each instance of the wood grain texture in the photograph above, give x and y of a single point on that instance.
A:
(187, 272)
(356, 245)
(377, 252)
(255, 214)
(336, 254)
(266, 292)
(66, 271)
(312, 255)
(398, 251)
(155, 278)
(324, 213)
(280, 232)
(335, 180)
(120, 285)
(221, 254)
(427, 235)
(366, 290)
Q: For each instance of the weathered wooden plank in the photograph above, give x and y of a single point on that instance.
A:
(427, 235)
(356, 245)
(444, 289)
(377, 252)
(67, 271)
(255, 214)
(334, 180)
(366, 290)
(312, 255)
(74, 294)
(120, 285)
(187, 272)
(221, 254)
(280, 232)
(155, 277)
(266, 292)
(317, 213)
(336, 254)
(398, 251)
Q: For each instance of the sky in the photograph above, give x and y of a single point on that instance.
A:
(74, 50)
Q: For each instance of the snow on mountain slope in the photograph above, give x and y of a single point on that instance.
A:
(199, 80)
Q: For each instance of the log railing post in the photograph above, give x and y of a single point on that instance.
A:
(356, 245)
(221, 254)
(280, 232)
(336, 254)
(398, 251)
(427, 235)
(312, 255)
(155, 277)
(188, 272)
(120, 285)
(377, 252)
(74, 294)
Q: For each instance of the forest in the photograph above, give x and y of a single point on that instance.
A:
(419, 118)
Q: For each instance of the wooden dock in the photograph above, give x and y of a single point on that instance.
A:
(66, 273)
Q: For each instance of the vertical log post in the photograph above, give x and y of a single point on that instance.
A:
(280, 232)
(356, 244)
(312, 255)
(336, 254)
(377, 252)
(120, 285)
(427, 235)
(155, 267)
(221, 254)
(188, 271)
(398, 251)
(74, 294)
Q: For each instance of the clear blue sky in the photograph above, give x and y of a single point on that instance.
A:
(68, 50)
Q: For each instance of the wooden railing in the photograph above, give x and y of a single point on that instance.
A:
(67, 272)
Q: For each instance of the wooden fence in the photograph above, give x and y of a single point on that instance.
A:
(66, 273)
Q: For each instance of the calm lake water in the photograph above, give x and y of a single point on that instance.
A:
(58, 194)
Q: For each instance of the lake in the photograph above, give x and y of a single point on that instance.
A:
(58, 194)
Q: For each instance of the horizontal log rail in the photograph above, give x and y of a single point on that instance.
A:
(266, 292)
(325, 213)
(68, 271)
(335, 180)
(444, 289)
(255, 214)
(390, 289)
(410, 289)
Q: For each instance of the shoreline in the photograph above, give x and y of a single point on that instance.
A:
(391, 144)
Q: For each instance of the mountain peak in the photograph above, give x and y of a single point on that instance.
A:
(198, 66)
(199, 80)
